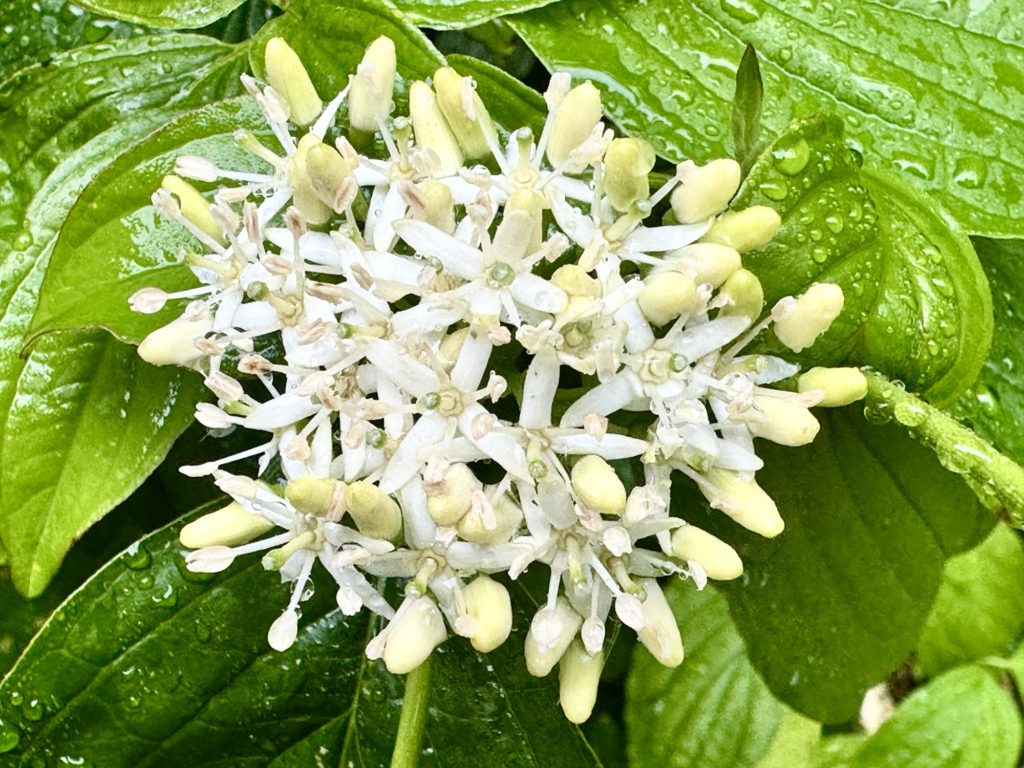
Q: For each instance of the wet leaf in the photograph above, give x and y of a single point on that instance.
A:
(181, 14)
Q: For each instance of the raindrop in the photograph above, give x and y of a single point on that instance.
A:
(138, 557)
(792, 160)
(741, 10)
(9, 736)
(970, 172)
(775, 190)
(33, 710)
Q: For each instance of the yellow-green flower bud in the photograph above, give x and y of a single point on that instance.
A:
(450, 499)
(782, 420)
(575, 281)
(660, 635)
(799, 322)
(839, 386)
(550, 633)
(598, 487)
(304, 197)
(706, 190)
(320, 496)
(578, 676)
(742, 295)
(718, 559)
(508, 516)
(451, 345)
(175, 343)
(290, 79)
(666, 295)
(489, 605)
(413, 636)
(434, 204)
(745, 230)
(465, 112)
(708, 262)
(369, 97)
(431, 129)
(744, 501)
(194, 207)
(228, 527)
(626, 165)
(532, 203)
(573, 122)
(331, 177)
(375, 513)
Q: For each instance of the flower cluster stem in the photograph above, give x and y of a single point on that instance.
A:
(415, 705)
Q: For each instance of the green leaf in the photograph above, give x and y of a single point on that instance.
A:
(713, 710)
(59, 125)
(459, 14)
(181, 14)
(918, 305)
(747, 105)
(837, 602)
(148, 664)
(931, 90)
(963, 719)
(32, 31)
(994, 406)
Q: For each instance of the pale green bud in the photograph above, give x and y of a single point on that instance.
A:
(194, 207)
(745, 230)
(451, 346)
(839, 386)
(175, 343)
(718, 559)
(369, 96)
(551, 631)
(799, 322)
(304, 197)
(275, 559)
(573, 122)
(575, 281)
(660, 635)
(708, 262)
(782, 420)
(743, 295)
(465, 112)
(626, 165)
(375, 513)
(331, 177)
(431, 129)
(706, 190)
(532, 203)
(578, 676)
(434, 204)
(598, 487)
(666, 295)
(413, 636)
(228, 527)
(744, 501)
(450, 499)
(508, 516)
(320, 496)
(489, 605)
(289, 78)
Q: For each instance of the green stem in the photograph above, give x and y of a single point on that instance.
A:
(415, 705)
(995, 479)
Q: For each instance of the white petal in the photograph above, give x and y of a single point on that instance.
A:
(393, 208)
(286, 409)
(534, 291)
(610, 446)
(498, 445)
(472, 362)
(458, 258)
(405, 463)
(697, 341)
(604, 399)
(577, 226)
(539, 390)
(659, 239)
(410, 375)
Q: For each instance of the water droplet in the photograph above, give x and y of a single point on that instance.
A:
(9, 736)
(819, 254)
(168, 598)
(775, 190)
(970, 172)
(942, 287)
(741, 10)
(834, 224)
(33, 710)
(15, 698)
(23, 241)
(909, 414)
(792, 160)
(138, 557)
(785, 54)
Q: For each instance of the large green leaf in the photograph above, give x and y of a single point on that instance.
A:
(963, 719)
(837, 602)
(150, 665)
(181, 14)
(932, 90)
(458, 14)
(917, 302)
(59, 125)
(979, 610)
(713, 710)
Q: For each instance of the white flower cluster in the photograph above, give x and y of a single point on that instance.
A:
(397, 285)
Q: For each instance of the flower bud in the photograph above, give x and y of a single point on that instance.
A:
(626, 165)
(573, 122)
(465, 112)
(290, 79)
(578, 676)
(451, 346)
(508, 516)
(228, 527)
(431, 129)
(706, 190)
(708, 262)
(450, 499)
(839, 386)
(413, 635)
(575, 281)
(330, 176)
(320, 496)
(660, 634)
(375, 513)
(550, 633)
(745, 230)
(718, 559)
(532, 203)
(741, 295)
(213, 559)
(782, 420)
(489, 605)
(175, 343)
(434, 205)
(598, 487)
(369, 97)
(799, 322)
(304, 197)
(744, 501)
(667, 295)
(194, 207)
